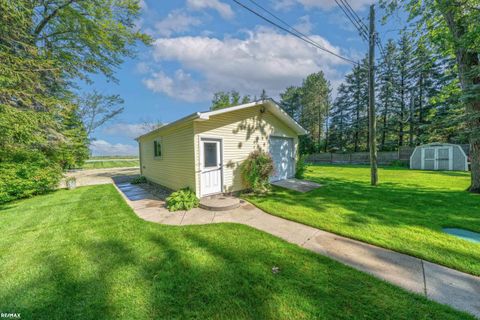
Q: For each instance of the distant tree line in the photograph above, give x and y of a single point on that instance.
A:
(417, 100)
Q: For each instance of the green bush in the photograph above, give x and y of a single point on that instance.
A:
(25, 179)
(183, 199)
(138, 180)
(399, 163)
(300, 167)
(256, 170)
(33, 152)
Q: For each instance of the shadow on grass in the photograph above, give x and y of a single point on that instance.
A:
(401, 217)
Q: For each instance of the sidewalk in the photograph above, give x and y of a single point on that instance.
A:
(444, 285)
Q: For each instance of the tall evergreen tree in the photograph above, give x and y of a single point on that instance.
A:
(404, 61)
(315, 99)
(387, 99)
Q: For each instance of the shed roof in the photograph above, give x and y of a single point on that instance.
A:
(269, 104)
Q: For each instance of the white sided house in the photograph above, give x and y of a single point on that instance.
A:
(204, 150)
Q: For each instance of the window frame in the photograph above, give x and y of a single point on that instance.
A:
(158, 142)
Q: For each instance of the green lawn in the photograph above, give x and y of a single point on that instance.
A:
(405, 212)
(110, 163)
(83, 254)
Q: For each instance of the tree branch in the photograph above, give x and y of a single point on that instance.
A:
(46, 19)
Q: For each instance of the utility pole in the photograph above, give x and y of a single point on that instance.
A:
(372, 121)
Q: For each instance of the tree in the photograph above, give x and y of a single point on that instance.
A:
(45, 47)
(291, 101)
(86, 37)
(263, 95)
(96, 109)
(387, 76)
(340, 119)
(451, 27)
(223, 99)
(315, 100)
(404, 61)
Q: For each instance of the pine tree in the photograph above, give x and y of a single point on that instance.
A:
(315, 99)
(291, 101)
(404, 61)
(386, 95)
(339, 119)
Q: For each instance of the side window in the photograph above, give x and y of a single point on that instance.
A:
(157, 148)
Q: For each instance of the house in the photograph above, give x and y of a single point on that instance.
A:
(204, 150)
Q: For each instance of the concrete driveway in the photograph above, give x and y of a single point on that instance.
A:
(101, 176)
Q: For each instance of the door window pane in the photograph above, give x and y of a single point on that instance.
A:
(210, 154)
(429, 153)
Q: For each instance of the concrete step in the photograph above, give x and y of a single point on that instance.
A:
(219, 203)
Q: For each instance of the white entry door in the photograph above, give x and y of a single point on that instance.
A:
(211, 166)
(282, 152)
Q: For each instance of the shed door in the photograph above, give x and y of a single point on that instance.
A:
(283, 155)
(437, 158)
(429, 159)
(443, 158)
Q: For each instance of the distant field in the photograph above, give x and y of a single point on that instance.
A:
(110, 163)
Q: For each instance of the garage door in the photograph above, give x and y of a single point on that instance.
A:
(283, 156)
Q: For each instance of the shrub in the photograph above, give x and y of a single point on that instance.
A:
(183, 199)
(256, 170)
(300, 167)
(139, 179)
(399, 163)
(22, 180)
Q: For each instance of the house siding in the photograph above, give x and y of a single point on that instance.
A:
(176, 168)
(242, 132)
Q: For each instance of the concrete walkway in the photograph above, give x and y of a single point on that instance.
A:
(438, 283)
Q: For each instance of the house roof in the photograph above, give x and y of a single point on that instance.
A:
(270, 105)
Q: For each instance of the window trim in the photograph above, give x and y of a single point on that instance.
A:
(157, 142)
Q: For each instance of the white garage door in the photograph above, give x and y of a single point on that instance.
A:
(283, 156)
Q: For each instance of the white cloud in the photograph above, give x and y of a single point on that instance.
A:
(128, 130)
(265, 59)
(105, 148)
(222, 8)
(320, 4)
(181, 86)
(175, 22)
(304, 25)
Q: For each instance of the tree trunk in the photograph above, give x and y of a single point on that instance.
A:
(402, 112)
(411, 121)
(372, 122)
(467, 62)
(384, 129)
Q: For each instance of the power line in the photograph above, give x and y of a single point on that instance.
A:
(281, 20)
(353, 21)
(358, 23)
(297, 34)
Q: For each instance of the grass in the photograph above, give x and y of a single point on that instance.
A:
(83, 254)
(405, 213)
(110, 163)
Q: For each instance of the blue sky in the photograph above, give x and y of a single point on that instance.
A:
(203, 46)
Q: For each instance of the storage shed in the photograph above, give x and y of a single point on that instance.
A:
(204, 150)
(439, 156)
